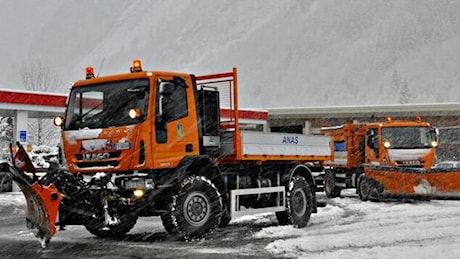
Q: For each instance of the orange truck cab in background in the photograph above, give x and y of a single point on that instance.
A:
(395, 147)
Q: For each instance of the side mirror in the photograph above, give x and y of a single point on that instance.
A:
(166, 88)
(371, 132)
(371, 142)
(371, 138)
(435, 137)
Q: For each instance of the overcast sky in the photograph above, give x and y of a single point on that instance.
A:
(288, 53)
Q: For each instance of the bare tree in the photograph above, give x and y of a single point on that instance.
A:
(39, 76)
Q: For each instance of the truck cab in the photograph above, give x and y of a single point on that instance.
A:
(390, 143)
(401, 144)
(129, 122)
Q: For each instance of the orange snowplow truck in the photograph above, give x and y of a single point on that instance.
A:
(387, 159)
(150, 143)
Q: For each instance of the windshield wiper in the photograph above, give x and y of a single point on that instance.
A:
(80, 118)
(117, 108)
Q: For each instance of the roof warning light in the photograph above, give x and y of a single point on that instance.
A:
(137, 66)
(89, 72)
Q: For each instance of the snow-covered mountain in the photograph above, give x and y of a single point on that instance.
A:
(288, 53)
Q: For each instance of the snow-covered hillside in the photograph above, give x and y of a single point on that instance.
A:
(289, 53)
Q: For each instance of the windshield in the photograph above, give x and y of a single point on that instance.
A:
(107, 105)
(407, 137)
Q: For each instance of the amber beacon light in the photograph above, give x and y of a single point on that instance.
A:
(89, 72)
(137, 66)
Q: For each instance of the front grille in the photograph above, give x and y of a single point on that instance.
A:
(97, 156)
(108, 159)
(410, 163)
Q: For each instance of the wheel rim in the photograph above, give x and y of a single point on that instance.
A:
(197, 208)
(299, 204)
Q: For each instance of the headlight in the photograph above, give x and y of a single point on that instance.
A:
(386, 144)
(140, 183)
(138, 193)
(58, 120)
(134, 113)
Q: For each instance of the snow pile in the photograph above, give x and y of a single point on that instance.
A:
(42, 155)
(372, 230)
(12, 205)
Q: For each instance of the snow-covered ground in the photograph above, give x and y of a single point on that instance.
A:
(11, 205)
(349, 228)
(345, 228)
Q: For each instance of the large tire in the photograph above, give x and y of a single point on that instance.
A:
(364, 188)
(300, 201)
(96, 226)
(197, 208)
(299, 204)
(226, 218)
(168, 223)
(330, 189)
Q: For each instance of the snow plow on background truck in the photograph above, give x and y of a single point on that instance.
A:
(149, 143)
(387, 159)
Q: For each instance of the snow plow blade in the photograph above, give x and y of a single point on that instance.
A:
(415, 182)
(42, 203)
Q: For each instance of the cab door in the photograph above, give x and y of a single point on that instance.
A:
(175, 124)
